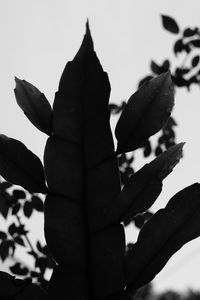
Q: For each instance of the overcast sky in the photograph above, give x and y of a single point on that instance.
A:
(37, 39)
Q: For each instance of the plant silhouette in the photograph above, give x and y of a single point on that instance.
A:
(85, 208)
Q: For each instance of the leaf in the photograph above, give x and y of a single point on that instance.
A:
(195, 43)
(4, 249)
(163, 235)
(188, 32)
(19, 241)
(28, 209)
(195, 61)
(170, 24)
(178, 46)
(20, 166)
(146, 112)
(18, 269)
(12, 229)
(18, 194)
(42, 249)
(4, 206)
(34, 105)
(156, 69)
(37, 203)
(144, 186)
(3, 235)
(16, 208)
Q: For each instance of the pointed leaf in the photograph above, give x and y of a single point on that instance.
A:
(170, 24)
(20, 166)
(195, 61)
(34, 105)
(163, 235)
(146, 113)
(144, 186)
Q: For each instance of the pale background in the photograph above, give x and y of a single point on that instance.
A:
(37, 39)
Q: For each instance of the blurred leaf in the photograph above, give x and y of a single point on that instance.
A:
(19, 240)
(146, 112)
(16, 208)
(18, 269)
(5, 247)
(195, 61)
(170, 24)
(163, 235)
(147, 149)
(42, 249)
(195, 43)
(12, 229)
(3, 235)
(158, 151)
(188, 32)
(156, 69)
(34, 104)
(28, 209)
(37, 203)
(144, 186)
(20, 166)
(18, 194)
(4, 206)
(178, 46)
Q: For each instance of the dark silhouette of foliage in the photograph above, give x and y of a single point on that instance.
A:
(85, 203)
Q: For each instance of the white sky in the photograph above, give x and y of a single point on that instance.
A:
(39, 37)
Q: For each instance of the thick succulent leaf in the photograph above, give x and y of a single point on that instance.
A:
(164, 234)
(34, 105)
(21, 166)
(146, 113)
(144, 186)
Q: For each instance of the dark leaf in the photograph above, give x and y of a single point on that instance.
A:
(178, 46)
(16, 208)
(195, 43)
(12, 229)
(165, 66)
(158, 151)
(146, 112)
(18, 194)
(4, 249)
(3, 235)
(147, 149)
(188, 32)
(19, 240)
(170, 24)
(34, 105)
(28, 209)
(163, 235)
(42, 249)
(37, 203)
(195, 61)
(20, 166)
(34, 274)
(144, 186)
(4, 205)
(41, 262)
(156, 69)
(18, 269)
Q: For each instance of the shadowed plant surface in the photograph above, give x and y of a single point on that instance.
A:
(85, 208)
